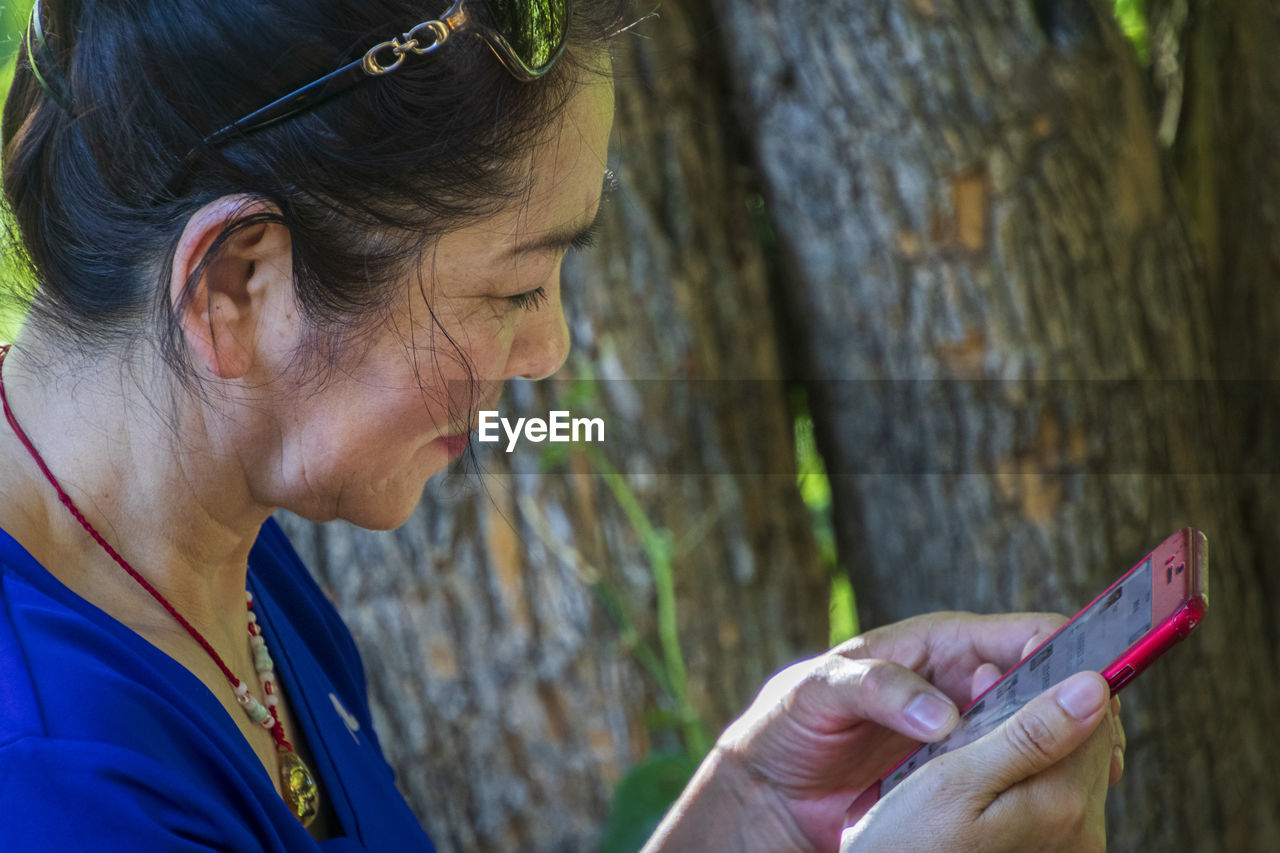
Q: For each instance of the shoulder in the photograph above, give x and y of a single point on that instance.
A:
(74, 795)
(42, 642)
(108, 744)
(71, 671)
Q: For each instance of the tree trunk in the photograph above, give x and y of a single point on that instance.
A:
(509, 700)
(1223, 56)
(1013, 352)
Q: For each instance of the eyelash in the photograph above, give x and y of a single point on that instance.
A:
(536, 298)
(587, 238)
(531, 301)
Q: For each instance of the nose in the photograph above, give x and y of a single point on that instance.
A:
(541, 344)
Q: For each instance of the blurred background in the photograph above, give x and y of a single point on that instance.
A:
(945, 304)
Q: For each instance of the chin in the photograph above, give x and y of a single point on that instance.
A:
(381, 522)
(384, 513)
(383, 510)
(379, 505)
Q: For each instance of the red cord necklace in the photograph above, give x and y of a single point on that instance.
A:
(298, 785)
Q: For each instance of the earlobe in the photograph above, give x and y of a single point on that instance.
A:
(224, 302)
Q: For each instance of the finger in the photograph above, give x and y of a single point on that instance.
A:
(997, 638)
(1119, 743)
(839, 692)
(1036, 642)
(947, 647)
(1066, 800)
(1116, 772)
(1119, 738)
(984, 677)
(1043, 732)
(862, 805)
(1002, 639)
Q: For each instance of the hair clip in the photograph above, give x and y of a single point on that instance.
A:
(55, 85)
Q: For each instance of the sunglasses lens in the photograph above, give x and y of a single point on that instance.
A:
(534, 29)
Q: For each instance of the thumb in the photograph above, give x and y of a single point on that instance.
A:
(1043, 732)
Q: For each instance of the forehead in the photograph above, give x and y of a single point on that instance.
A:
(566, 169)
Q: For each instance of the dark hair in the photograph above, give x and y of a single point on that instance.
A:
(364, 182)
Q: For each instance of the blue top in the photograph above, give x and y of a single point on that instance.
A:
(108, 744)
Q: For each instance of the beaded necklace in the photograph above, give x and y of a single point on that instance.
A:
(297, 784)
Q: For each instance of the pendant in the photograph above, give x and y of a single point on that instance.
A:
(299, 787)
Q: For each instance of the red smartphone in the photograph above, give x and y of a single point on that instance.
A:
(1134, 621)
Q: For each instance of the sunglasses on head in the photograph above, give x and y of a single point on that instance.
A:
(527, 36)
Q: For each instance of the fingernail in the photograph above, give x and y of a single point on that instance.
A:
(1082, 695)
(1117, 755)
(929, 712)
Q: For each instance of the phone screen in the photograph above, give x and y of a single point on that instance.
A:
(1096, 637)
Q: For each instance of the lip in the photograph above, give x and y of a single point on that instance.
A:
(456, 444)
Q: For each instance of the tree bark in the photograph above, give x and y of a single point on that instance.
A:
(509, 701)
(1013, 349)
(1231, 82)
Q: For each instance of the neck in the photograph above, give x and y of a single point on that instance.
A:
(154, 486)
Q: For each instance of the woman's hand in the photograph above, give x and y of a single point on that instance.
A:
(1037, 783)
(787, 773)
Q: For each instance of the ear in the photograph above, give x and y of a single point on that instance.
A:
(243, 293)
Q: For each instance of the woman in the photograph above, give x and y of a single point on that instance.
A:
(254, 295)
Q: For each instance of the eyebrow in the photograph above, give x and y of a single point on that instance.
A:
(562, 238)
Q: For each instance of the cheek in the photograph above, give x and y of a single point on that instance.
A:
(490, 355)
(346, 432)
(362, 463)
(472, 340)
(381, 422)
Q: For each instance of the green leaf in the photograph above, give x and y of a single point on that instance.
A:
(663, 719)
(13, 284)
(553, 455)
(844, 610)
(13, 23)
(643, 796)
(1132, 15)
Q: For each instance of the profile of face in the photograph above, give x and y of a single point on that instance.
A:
(485, 307)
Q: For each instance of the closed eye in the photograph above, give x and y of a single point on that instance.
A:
(530, 300)
(587, 238)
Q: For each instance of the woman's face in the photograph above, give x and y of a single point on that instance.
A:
(400, 405)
